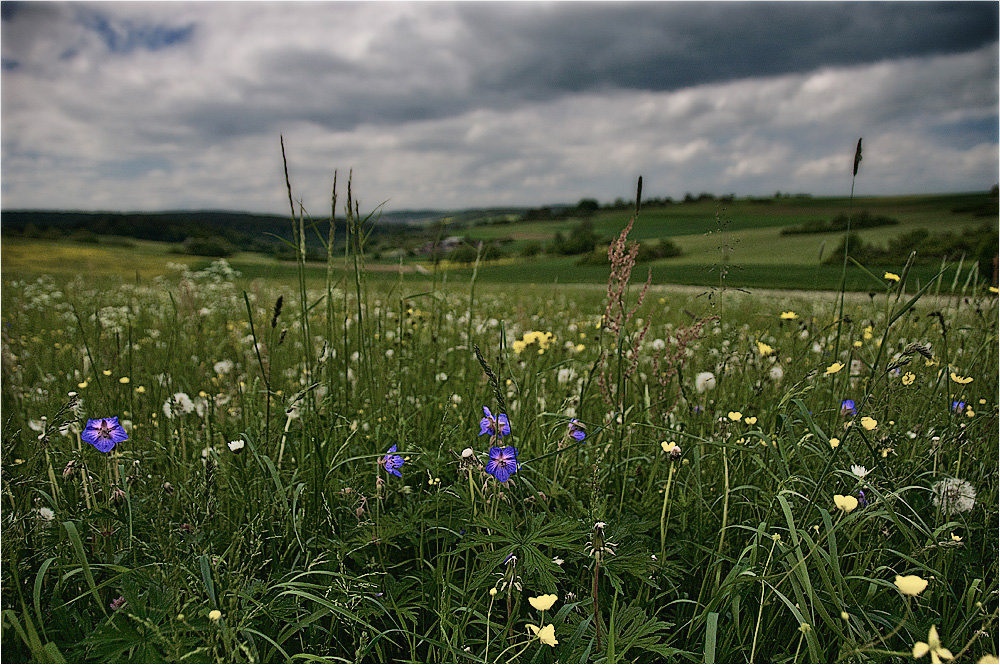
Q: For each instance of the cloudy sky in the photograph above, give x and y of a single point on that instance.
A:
(156, 106)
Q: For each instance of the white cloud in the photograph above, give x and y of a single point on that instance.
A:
(395, 91)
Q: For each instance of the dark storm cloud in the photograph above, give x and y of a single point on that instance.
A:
(668, 46)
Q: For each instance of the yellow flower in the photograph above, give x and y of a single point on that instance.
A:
(669, 447)
(519, 346)
(910, 585)
(909, 378)
(989, 658)
(765, 350)
(834, 442)
(932, 645)
(869, 423)
(214, 615)
(106, 372)
(543, 602)
(834, 368)
(735, 416)
(124, 379)
(961, 379)
(579, 347)
(994, 289)
(750, 420)
(789, 316)
(957, 539)
(140, 389)
(547, 635)
(857, 344)
(82, 384)
(845, 503)
(891, 276)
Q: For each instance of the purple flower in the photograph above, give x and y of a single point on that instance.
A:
(104, 433)
(494, 425)
(847, 407)
(117, 603)
(503, 463)
(577, 429)
(957, 407)
(393, 462)
(862, 501)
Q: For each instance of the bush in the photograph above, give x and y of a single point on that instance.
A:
(216, 247)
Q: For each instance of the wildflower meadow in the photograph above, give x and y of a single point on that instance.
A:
(201, 467)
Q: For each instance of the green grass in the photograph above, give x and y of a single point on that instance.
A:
(309, 551)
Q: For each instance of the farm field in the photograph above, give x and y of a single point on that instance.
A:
(737, 243)
(403, 467)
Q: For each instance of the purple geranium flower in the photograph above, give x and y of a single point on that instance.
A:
(393, 462)
(503, 463)
(104, 433)
(847, 407)
(494, 425)
(577, 429)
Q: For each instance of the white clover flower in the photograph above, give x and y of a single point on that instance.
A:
(953, 495)
(704, 381)
(46, 514)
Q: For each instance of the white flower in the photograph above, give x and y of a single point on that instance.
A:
(177, 405)
(859, 471)
(556, 560)
(467, 453)
(777, 373)
(704, 381)
(658, 345)
(565, 375)
(236, 446)
(953, 495)
(46, 514)
(223, 366)
(442, 377)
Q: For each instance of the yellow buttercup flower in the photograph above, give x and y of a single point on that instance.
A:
(869, 423)
(961, 379)
(834, 368)
(909, 378)
(891, 276)
(735, 416)
(789, 316)
(764, 349)
(750, 420)
(124, 379)
(834, 442)
(910, 585)
(845, 503)
(543, 602)
(547, 635)
(932, 646)
(994, 289)
(214, 615)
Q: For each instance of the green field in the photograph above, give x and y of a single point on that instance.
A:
(763, 476)
(724, 244)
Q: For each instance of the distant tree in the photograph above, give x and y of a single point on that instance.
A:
(587, 207)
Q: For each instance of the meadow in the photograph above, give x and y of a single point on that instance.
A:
(358, 466)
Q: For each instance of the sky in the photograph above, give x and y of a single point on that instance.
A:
(450, 105)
